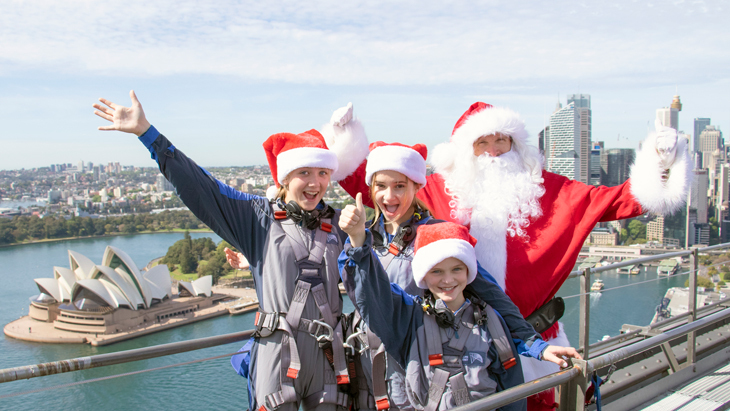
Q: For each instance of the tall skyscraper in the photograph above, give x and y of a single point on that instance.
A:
(596, 172)
(563, 143)
(699, 126)
(582, 103)
(710, 140)
(618, 165)
(669, 116)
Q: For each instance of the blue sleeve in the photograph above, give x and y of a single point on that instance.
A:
(239, 218)
(486, 288)
(390, 312)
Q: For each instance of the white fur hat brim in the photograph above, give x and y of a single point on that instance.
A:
(429, 255)
(491, 121)
(290, 160)
(404, 160)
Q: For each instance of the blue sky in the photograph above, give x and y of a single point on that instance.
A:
(219, 78)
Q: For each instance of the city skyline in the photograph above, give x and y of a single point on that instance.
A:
(218, 79)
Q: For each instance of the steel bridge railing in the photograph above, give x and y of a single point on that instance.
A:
(574, 379)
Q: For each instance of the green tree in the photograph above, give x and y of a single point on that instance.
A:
(187, 262)
(702, 282)
(636, 232)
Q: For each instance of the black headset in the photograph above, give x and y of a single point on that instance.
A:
(308, 219)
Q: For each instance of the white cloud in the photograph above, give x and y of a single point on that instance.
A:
(407, 43)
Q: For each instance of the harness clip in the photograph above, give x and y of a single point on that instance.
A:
(330, 336)
(347, 344)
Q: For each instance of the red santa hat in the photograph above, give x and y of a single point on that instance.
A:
(287, 152)
(407, 160)
(480, 119)
(437, 242)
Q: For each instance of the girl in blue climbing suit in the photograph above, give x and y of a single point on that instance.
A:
(395, 172)
(292, 245)
(454, 347)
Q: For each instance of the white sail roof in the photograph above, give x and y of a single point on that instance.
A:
(117, 281)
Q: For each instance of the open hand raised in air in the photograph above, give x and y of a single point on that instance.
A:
(126, 119)
(236, 260)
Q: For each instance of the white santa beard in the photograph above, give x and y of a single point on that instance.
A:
(497, 196)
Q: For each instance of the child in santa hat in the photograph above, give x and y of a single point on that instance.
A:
(445, 341)
(292, 244)
(395, 173)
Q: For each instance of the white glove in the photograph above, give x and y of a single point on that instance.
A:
(342, 116)
(666, 144)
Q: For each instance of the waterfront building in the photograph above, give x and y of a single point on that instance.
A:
(111, 298)
(655, 230)
(564, 143)
(602, 236)
(699, 125)
(582, 103)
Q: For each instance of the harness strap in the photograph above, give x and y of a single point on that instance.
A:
(338, 350)
(500, 339)
(433, 341)
(436, 389)
(379, 368)
(296, 306)
(330, 394)
(459, 389)
(386, 259)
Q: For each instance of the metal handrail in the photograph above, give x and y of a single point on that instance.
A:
(521, 391)
(574, 372)
(649, 343)
(119, 357)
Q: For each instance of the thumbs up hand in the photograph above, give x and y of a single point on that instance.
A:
(352, 221)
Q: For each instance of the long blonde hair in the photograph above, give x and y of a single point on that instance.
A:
(416, 201)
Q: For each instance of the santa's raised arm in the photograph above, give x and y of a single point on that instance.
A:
(530, 223)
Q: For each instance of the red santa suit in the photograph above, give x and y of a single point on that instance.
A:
(533, 254)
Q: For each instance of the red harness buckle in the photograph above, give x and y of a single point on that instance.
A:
(280, 215)
(393, 249)
(436, 359)
(382, 404)
(509, 363)
(292, 373)
(326, 227)
(343, 379)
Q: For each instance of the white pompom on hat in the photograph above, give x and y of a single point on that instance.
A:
(436, 242)
(287, 152)
(407, 160)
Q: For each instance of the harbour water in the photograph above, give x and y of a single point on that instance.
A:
(210, 384)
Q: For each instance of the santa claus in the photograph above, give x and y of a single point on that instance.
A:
(530, 223)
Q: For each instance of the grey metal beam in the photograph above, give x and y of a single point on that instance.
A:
(519, 392)
(101, 360)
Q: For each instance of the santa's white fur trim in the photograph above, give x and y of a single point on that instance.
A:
(404, 160)
(290, 160)
(429, 255)
(443, 157)
(349, 143)
(654, 195)
(533, 368)
(271, 192)
(491, 121)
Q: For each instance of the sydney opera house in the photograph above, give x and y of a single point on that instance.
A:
(113, 297)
